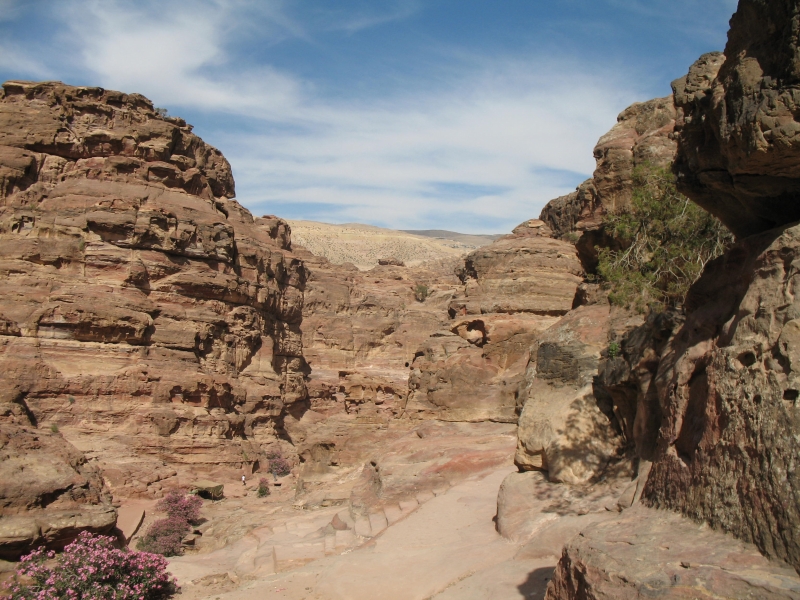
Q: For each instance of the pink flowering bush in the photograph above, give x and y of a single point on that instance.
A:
(278, 465)
(181, 506)
(164, 536)
(91, 568)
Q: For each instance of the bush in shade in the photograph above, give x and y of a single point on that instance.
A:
(181, 506)
(91, 568)
(263, 487)
(164, 536)
(278, 465)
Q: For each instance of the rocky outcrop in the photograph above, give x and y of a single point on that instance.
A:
(643, 135)
(512, 291)
(727, 386)
(49, 492)
(711, 399)
(563, 429)
(144, 313)
(647, 553)
(738, 127)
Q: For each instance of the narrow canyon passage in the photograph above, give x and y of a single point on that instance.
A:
(448, 548)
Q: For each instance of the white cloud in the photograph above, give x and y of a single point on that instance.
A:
(482, 150)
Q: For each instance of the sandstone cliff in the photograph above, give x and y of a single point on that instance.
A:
(144, 313)
(512, 290)
(708, 394)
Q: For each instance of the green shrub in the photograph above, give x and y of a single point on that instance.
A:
(54, 428)
(421, 292)
(665, 241)
(263, 487)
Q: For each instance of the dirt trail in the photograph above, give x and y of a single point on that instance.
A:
(448, 548)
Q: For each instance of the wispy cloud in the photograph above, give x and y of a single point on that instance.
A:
(477, 143)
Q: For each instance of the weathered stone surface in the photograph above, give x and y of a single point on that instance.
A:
(738, 127)
(643, 134)
(526, 271)
(145, 313)
(563, 429)
(649, 553)
(727, 387)
(512, 290)
(49, 493)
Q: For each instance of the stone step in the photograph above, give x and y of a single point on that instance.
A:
(345, 538)
(423, 497)
(330, 544)
(377, 522)
(300, 551)
(363, 527)
(393, 514)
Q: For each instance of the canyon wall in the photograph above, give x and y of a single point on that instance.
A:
(144, 313)
(511, 291)
(709, 394)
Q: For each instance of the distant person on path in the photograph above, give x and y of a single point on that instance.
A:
(243, 483)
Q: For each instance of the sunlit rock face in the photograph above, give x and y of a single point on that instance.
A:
(512, 290)
(642, 135)
(738, 121)
(142, 311)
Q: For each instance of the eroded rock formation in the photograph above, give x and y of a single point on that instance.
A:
(512, 290)
(710, 395)
(643, 135)
(144, 313)
(738, 128)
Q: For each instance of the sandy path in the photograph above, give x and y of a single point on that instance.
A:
(448, 548)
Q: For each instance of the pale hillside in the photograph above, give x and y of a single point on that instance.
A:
(364, 245)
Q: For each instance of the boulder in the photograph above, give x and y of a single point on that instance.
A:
(49, 493)
(646, 553)
(563, 429)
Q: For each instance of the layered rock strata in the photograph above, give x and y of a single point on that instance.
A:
(512, 291)
(738, 127)
(144, 312)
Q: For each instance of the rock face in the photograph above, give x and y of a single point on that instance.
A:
(360, 331)
(710, 396)
(49, 493)
(563, 429)
(143, 312)
(647, 553)
(727, 385)
(512, 291)
(643, 134)
(738, 128)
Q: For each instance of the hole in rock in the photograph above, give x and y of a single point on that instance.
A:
(747, 359)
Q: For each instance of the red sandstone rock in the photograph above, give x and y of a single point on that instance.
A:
(143, 311)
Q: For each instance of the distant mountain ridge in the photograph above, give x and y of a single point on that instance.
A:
(364, 245)
(473, 239)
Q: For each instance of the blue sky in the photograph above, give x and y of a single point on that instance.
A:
(465, 115)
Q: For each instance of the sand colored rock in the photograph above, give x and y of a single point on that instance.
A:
(144, 313)
(649, 553)
(563, 429)
(737, 128)
(512, 290)
(49, 493)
